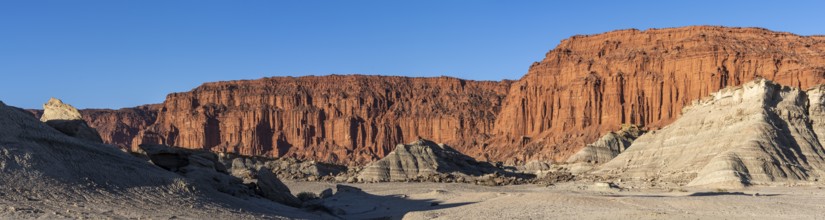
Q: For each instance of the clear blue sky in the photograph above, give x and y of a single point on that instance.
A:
(119, 53)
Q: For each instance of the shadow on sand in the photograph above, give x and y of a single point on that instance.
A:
(696, 194)
(728, 194)
(352, 203)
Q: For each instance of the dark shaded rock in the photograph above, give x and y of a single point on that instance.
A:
(273, 189)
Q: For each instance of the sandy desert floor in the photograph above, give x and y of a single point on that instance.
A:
(573, 201)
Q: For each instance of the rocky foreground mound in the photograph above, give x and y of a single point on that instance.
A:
(47, 174)
(603, 150)
(759, 133)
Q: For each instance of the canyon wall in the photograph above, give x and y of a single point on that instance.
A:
(584, 88)
(340, 119)
(590, 85)
(119, 127)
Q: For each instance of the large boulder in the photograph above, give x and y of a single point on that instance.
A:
(270, 187)
(67, 119)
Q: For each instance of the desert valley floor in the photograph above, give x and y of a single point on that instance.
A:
(467, 201)
(580, 201)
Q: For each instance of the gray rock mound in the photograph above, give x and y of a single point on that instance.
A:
(423, 158)
(603, 150)
(284, 168)
(759, 133)
(607, 147)
(67, 119)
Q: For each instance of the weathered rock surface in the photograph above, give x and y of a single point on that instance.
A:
(284, 168)
(423, 158)
(205, 167)
(758, 133)
(590, 85)
(58, 176)
(119, 127)
(334, 118)
(65, 118)
(272, 188)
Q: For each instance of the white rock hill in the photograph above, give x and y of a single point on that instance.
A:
(758, 133)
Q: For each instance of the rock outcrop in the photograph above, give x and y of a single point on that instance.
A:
(119, 127)
(758, 133)
(607, 147)
(423, 158)
(590, 85)
(284, 168)
(334, 118)
(66, 118)
(204, 167)
(58, 176)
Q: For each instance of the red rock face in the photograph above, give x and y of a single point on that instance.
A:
(587, 86)
(590, 85)
(338, 119)
(119, 127)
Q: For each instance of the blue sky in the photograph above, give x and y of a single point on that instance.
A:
(119, 53)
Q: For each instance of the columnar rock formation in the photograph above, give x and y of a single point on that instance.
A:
(332, 118)
(589, 85)
(119, 127)
(583, 89)
(758, 133)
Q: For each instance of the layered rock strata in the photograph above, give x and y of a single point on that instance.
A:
(423, 158)
(590, 85)
(334, 118)
(119, 127)
(758, 133)
(607, 147)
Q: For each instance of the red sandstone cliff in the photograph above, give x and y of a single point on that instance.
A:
(119, 127)
(589, 85)
(330, 118)
(585, 87)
